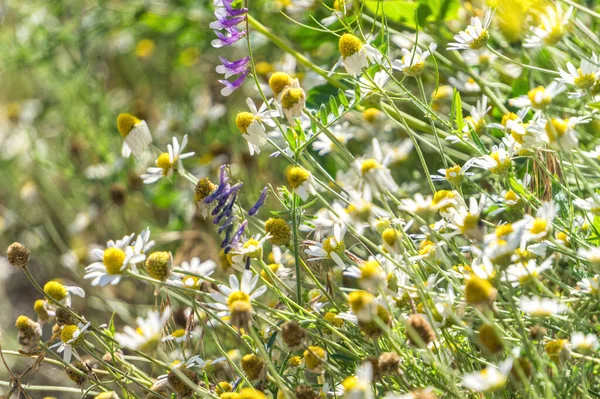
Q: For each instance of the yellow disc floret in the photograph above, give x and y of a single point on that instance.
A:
(278, 81)
(291, 97)
(349, 45)
(125, 123)
(55, 290)
(243, 121)
(113, 260)
(297, 175)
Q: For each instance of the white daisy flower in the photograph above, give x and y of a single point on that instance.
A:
(467, 220)
(455, 174)
(561, 132)
(584, 342)
(475, 36)
(464, 83)
(251, 124)
(541, 307)
(246, 250)
(332, 247)
(178, 336)
(194, 361)
(61, 293)
(359, 386)
(491, 379)
(583, 78)
(374, 170)
(168, 162)
(114, 260)
(148, 333)
(591, 204)
(482, 57)
(136, 134)
(356, 55)
(476, 120)
(71, 335)
(412, 62)
(521, 273)
(594, 154)
(592, 255)
(538, 227)
(196, 269)
(300, 180)
(498, 161)
(589, 285)
(551, 29)
(244, 291)
(539, 97)
(342, 132)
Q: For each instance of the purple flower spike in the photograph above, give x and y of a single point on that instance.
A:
(226, 4)
(230, 87)
(223, 22)
(237, 236)
(230, 68)
(261, 201)
(233, 36)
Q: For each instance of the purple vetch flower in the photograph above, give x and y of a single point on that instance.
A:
(226, 4)
(230, 87)
(261, 201)
(230, 68)
(223, 22)
(232, 35)
(236, 238)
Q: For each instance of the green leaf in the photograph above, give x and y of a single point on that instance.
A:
(401, 11)
(334, 107)
(343, 98)
(457, 114)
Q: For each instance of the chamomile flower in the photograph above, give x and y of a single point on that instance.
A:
(168, 162)
(148, 333)
(300, 180)
(251, 124)
(589, 285)
(490, 379)
(541, 307)
(584, 342)
(197, 270)
(480, 57)
(454, 174)
(61, 293)
(464, 83)
(592, 255)
(467, 220)
(591, 204)
(551, 28)
(498, 161)
(370, 274)
(476, 120)
(539, 97)
(356, 55)
(538, 227)
(332, 247)
(136, 134)
(342, 132)
(523, 272)
(293, 102)
(71, 335)
(113, 260)
(561, 132)
(235, 300)
(583, 78)
(179, 336)
(475, 36)
(412, 62)
(249, 249)
(377, 177)
(359, 386)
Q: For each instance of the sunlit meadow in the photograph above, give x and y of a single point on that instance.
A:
(302, 199)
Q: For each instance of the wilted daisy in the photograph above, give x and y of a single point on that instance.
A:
(251, 124)
(197, 270)
(332, 247)
(71, 335)
(293, 102)
(541, 307)
(356, 55)
(114, 260)
(412, 62)
(135, 132)
(551, 28)
(538, 98)
(475, 36)
(490, 379)
(168, 162)
(148, 333)
(235, 300)
(584, 342)
(583, 78)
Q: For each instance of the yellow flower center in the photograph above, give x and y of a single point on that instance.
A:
(126, 122)
(453, 174)
(389, 236)
(470, 222)
(291, 97)
(178, 333)
(243, 121)
(504, 230)
(313, 356)
(538, 97)
(68, 332)
(359, 300)
(349, 45)
(478, 290)
(113, 260)
(203, 189)
(368, 165)
(585, 81)
(332, 319)
(511, 196)
(23, 322)
(511, 116)
(371, 115)
(502, 165)
(480, 41)
(55, 290)
(164, 162)
(237, 296)
(370, 270)
(296, 176)
(254, 247)
(331, 245)
(278, 81)
(557, 128)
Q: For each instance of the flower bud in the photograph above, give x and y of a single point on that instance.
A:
(17, 254)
